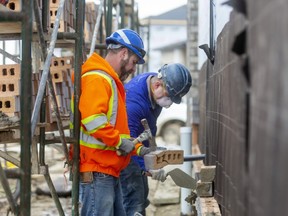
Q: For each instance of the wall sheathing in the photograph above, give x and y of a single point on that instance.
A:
(223, 99)
(268, 147)
(244, 109)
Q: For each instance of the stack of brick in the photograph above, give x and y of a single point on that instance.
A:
(60, 69)
(205, 202)
(207, 207)
(91, 11)
(10, 89)
(67, 17)
(15, 5)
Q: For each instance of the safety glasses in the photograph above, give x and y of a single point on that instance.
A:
(142, 52)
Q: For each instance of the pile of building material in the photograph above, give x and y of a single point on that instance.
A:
(68, 16)
(203, 200)
(10, 88)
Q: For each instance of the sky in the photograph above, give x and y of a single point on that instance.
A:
(154, 7)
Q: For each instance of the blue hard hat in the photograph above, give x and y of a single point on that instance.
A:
(130, 39)
(177, 79)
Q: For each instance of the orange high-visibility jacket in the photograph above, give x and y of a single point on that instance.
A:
(103, 118)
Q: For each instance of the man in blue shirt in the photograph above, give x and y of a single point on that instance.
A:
(146, 95)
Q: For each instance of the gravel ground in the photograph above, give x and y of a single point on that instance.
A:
(42, 205)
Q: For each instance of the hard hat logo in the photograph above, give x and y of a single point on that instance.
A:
(177, 79)
(129, 39)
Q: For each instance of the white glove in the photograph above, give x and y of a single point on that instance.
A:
(126, 147)
(144, 150)
(159, 174)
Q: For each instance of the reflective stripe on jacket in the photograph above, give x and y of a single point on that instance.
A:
(103, 118)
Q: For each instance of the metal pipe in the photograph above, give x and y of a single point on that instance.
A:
(43, 104)
(40, 29)
(212, 30)
(95, 32)
(50, 84)
(45, 73)
(133, 16)
(9, 196)
(109, 18)
(8, 16)
(67, 35)
(53, 191)
(42, 134)
(42, 116)
(10, 36)
(194, 157)
(45, 14)
(9, 158)
(122, 13)
(80, 11)
(186, 145)
(25, 108)
(8, 55)
(13, 173)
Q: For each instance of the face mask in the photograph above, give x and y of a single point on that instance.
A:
(164, 102)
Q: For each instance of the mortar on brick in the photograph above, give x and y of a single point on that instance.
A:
(207, 173)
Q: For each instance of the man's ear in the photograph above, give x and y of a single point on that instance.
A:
(158, 83)
(124, 54)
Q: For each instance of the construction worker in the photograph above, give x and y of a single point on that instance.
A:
(104, 125)
(146, 95)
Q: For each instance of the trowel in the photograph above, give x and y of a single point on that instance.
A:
(182, 179)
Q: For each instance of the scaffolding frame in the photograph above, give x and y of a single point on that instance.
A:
(29, 119)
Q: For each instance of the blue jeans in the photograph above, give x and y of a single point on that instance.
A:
(135, 189)
(102, 197)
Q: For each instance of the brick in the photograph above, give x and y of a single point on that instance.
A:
(207, 206)
(160, 158)
(204, 189)
(59, 76)
(66, 62)
(62, 26)
(54, 3)
(10, 104)
(11, 71)
(53, 14)
(207, 173)
(14, 5)
(9, 87)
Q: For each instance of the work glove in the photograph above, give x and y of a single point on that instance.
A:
(144, 150)
(126, 147)
(158, 174)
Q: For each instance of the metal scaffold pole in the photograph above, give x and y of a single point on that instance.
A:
(96, 28)
(80, 11)
(25, 108)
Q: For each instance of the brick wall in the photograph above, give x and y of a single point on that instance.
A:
(244, 109)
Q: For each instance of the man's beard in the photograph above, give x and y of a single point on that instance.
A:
(124, 73)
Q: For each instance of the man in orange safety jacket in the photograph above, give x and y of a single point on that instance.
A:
(104, 124)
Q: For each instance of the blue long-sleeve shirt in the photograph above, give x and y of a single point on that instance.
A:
(139, 106)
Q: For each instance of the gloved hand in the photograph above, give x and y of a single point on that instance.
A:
(144, 150)
(126, 146)
(159, 174)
